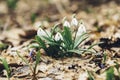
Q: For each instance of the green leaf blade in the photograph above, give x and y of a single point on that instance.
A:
(80, 39)
(41, 42)
(6, 66)
(67, 36)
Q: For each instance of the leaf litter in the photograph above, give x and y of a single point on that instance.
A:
(103, 27)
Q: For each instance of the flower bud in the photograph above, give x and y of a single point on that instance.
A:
(41, 32)
(58, 37)
(66, 24)
(74, 22)
(81, 28)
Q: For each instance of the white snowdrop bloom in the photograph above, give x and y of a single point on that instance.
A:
(74, 22)
(81, 29)
(66, 23)
(58, 37)
(41, 32)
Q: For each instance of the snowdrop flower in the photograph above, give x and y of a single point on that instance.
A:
(74, 22)
(58, 37)
(66, 23)
(41, 32)
(81, 28)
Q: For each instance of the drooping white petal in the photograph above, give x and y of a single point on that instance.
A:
(74, 22)
(66, 24)
(58, 37)
(81, 28)
(41, 32)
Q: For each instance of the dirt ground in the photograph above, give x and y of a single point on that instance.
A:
(17, 32)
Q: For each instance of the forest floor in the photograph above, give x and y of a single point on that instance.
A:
(103, 22)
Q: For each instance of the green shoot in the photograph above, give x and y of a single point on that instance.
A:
(6, 66)
(117, 67)
(110, 74)
(104, 57)
(32, 67)
(36, 63)
(3, 46)
(90, 75)
(33, 17)
(12, 4)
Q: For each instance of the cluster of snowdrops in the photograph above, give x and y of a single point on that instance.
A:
(64, 40)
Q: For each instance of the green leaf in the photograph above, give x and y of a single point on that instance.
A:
(48, 39)
(90, 75)
(51, 41)
(79, 51)
(110, 74)
(34, 46)
(6, 66)
(75, 51)
(94, 45)
(67, 37)
(40, 42)
(91, 46)
(3, 46)
(27, 63)
(23, 58)
(33, 17)
(53, 30)
(104, 57)
(37, 62)
(117, 67)
(12, 3)
(37, 57)
(80, 39)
